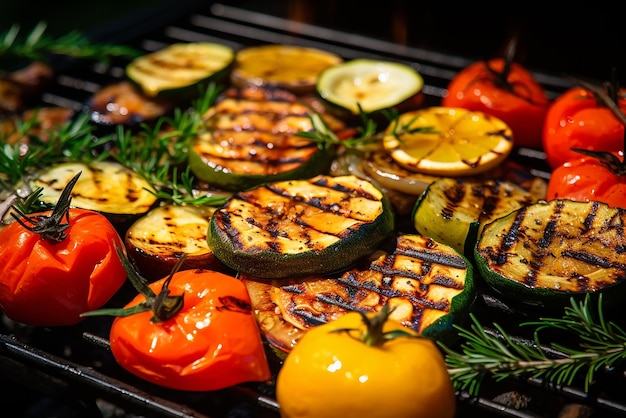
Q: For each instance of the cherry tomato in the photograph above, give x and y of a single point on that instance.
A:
(510, 94)
(341, 369)
(209, 341)
(577, 120)
(586, 179)
(45, 282)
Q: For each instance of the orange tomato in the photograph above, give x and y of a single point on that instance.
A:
(577, 120)
(511, 94)
(48, 283)
(212, 342)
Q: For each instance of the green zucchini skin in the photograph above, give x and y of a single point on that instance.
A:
(545, 254)
(300, 227)
(181, 71)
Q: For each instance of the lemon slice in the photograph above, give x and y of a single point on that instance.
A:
(453, 141)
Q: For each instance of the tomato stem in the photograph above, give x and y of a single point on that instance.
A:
(374, 335)
(50, 227)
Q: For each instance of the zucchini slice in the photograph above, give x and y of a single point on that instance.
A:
(543, 254)
(179, 71)
(288, 67)
(300, 227)
(156, 241)
(104, 186)
(252, 138)
(454, 211)
(429, 285)
(374, 85)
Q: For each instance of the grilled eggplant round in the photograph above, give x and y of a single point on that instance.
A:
(300, 227)
(429, 286)
(544, 254)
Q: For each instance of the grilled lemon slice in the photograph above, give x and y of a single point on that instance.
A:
(287, 67)
(448, 141)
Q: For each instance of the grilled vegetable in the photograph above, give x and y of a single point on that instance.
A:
(428, 285)
(55, 265)
(123, 103)
(288, 67)
(253, 139)
(454, 211)
(156, 241)
(104, 186)
(545, 253)
(299, 227)
(180, 71)
(371, 84)
(361, 366)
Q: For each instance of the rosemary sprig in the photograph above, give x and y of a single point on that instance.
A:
(157, 152)
(38, 46)
(600, 344)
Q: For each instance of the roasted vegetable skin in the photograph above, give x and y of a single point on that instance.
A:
(543, 254)
(299, 227)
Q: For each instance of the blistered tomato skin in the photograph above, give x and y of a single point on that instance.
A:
(577, 120)
(330, 374)
(520, 101)
(47, 283)
(213, 342)
(586, 179)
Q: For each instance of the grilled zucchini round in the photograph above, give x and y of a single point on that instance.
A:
(300, 227)
(180, 71)
(544, 254)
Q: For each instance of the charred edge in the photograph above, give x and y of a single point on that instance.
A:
(350, 191)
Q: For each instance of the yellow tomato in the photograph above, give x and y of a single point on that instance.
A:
(332, 373)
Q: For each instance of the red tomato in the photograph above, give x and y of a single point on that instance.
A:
(212, 342)
(577, 120)
(49, 283)
(514, 97)
(586, 179)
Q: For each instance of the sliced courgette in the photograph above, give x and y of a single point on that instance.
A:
(454, 211)
(156, 241)
(429, 286)
(104, 186)
(543, 254)
(288, 67)
(371, 84)
(180, 71)
(299, 227)
(252, 138)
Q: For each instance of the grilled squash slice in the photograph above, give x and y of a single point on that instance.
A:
(104, 186)
(543, 254)
(300, 227)
(252, 138)
(429, 286)
(288, 67)
(156, 241)
(179, 71)
(454, 211)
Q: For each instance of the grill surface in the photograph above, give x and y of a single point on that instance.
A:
(72, 369)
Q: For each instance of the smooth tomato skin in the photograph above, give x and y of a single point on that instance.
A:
(332, 375)
(575, 120)
(44, 283)
(586, 179)
(212, 343)
(473, 88)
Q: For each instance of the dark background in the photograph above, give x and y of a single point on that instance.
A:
(570, 40)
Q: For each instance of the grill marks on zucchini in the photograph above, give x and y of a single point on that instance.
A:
(253, 138)
(291, 228)
(419, 278)
(559, 246)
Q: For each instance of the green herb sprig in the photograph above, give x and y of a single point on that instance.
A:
(38, 46)
(601, 344)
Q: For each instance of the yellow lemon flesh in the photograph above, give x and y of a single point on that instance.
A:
(448, 141)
